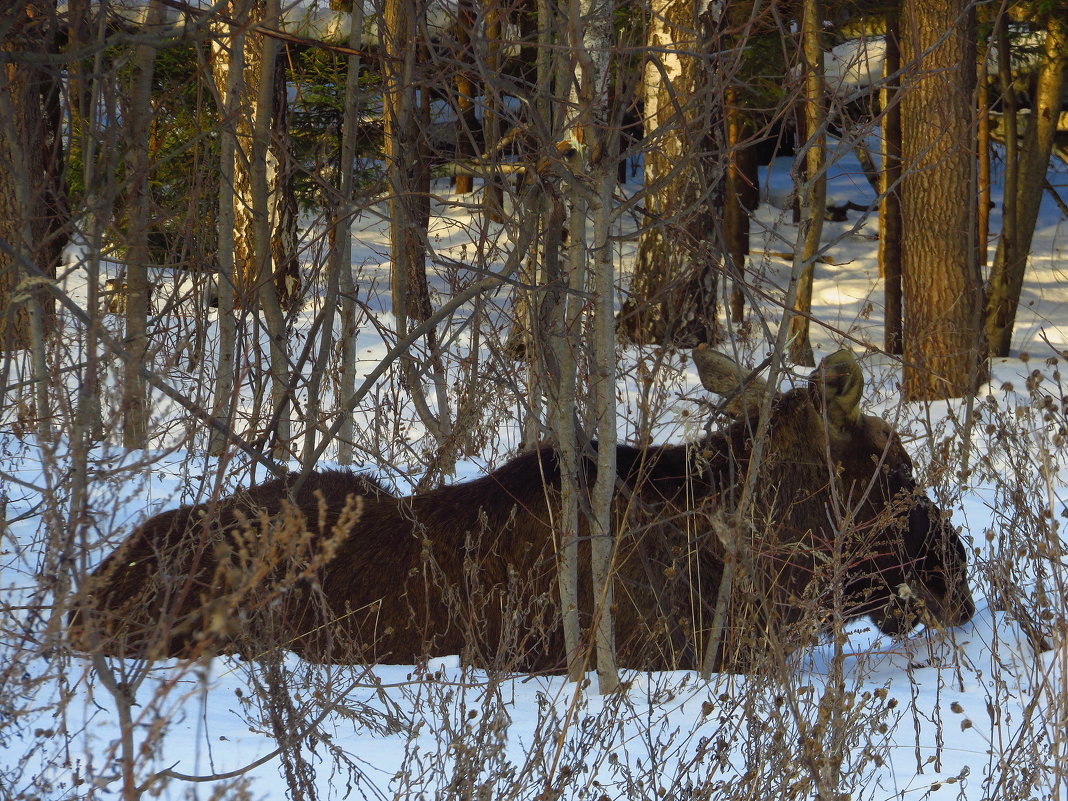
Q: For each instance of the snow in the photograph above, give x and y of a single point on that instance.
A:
(969, 713)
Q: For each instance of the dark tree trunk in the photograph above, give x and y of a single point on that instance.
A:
(890, 202)
(33, 208)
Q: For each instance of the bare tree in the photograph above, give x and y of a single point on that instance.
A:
(1032, 156)
(815, 186)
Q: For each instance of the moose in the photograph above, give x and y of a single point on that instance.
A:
(338, 570)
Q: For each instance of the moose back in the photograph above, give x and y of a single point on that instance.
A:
(341, 571)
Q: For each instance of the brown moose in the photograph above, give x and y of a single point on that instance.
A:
(340, 571)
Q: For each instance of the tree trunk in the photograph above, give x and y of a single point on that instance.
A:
(890, 191)
(1010, 260)
(673, 291)
(940, 279)
(406, 115)
(33, 210)
(32, 197)
(596, 162)
(281, 204)
(229, 94)
(270, 251)
(815, 202)
(465, 91)
(139, 209)
(982, 235)
(343, 236)
(740, 189)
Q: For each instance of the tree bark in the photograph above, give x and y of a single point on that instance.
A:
(1010, 260)
(406, 114)
(135, 408)
(281, 204)
(890, 190)
(33, 210)
(596, 159)
(32, 197)
(739, 192)
(227, 72)
(815, 190)
(270, 253)
(673, 291)
(343, 236)
(940, 278)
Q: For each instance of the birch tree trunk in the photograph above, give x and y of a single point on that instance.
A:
(265, 269)
(673, 291)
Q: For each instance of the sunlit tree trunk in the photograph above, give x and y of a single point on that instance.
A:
(673, 291)
(1010, 260)
(465, 92)
(260, 52)
(815, 188)
(939, 275)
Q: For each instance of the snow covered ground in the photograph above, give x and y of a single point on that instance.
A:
(972, 713)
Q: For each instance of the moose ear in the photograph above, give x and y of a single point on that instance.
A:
(841, 381)
(721, 375)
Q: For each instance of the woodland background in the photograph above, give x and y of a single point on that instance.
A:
(243, 237)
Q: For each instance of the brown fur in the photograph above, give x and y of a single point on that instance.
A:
(836, 524)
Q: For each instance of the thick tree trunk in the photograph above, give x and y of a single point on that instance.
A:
(940, 279)
(33, 209)
(1010, 260)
